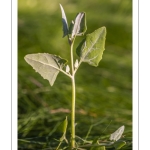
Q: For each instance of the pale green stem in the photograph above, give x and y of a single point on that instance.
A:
(73, 115)
(73, 101)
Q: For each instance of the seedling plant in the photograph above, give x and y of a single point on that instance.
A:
(89, 50)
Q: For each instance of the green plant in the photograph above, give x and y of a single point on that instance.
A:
(90, 50)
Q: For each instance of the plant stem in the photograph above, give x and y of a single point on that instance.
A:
(73, 115)
(73, 101)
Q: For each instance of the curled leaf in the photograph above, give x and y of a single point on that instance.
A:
(64, 22)
(78, 27)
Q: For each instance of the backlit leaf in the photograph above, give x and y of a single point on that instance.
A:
(91, 49)
(47, 65)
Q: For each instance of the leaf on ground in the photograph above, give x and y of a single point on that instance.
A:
(117, 134)
(91, 49)
(47, 65)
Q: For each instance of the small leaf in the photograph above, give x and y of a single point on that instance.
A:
(117, 134)
(63, 128)
(91, 49)
(76, 63)
(71, 27)
(67, 69)
(47, 65)
(64, 22)
(65, 123)
(119, 144)
(78, 27)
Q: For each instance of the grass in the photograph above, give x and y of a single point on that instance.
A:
(103, 93)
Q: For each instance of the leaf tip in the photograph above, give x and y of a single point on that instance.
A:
(79, 26)
(104, 28)
(25, 58)
(60, 6)
(64, 21)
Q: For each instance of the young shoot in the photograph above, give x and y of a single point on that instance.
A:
(90, 50)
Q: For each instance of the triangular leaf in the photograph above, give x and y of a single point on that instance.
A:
(47, 65)
(64, 22)
(91, 49)
(78, 28)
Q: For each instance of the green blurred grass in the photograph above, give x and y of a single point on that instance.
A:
(104, 92)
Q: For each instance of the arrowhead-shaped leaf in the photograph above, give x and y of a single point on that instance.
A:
(47, 65)
(64, 22)
(78, 27)
(91, 49)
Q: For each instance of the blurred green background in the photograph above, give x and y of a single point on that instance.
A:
(104, 93)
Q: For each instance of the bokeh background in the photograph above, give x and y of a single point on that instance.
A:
(103, 93)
